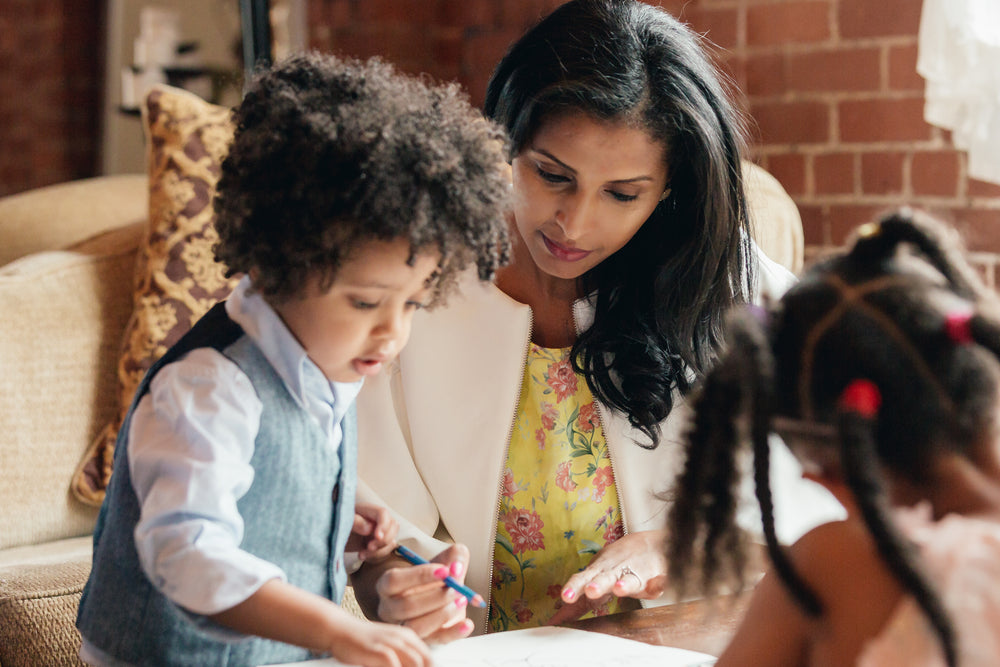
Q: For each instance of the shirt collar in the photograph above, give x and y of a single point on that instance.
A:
(283, 351)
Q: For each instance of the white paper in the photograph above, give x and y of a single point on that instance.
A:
(551, 647)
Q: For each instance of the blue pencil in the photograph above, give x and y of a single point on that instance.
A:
(413, 559)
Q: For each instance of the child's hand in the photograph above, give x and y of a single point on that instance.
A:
(374, 532)
(280, 611)
(379, 645)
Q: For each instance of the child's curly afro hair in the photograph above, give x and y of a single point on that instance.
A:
(329, 152)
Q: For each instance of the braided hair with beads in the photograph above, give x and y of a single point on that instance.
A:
(881, 358)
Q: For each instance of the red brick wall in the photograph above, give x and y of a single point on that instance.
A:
(459, 40)
(831, 86)
(49, 91)
(833, 89)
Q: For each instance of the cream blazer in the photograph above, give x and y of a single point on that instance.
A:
(434, 428)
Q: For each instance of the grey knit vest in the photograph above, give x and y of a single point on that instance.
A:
(298, 514)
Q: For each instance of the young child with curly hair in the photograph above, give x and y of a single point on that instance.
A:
(881, 371)
(351, 197)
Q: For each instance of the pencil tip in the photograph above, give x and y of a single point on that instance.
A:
(479, 601)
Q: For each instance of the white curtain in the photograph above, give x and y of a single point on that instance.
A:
(959, 57)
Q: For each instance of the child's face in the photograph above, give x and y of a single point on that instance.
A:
(363, 320)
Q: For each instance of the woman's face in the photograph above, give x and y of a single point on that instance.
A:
(583, 187)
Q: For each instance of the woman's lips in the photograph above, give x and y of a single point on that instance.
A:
(564, 253)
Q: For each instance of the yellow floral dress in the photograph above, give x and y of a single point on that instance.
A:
(558, 504)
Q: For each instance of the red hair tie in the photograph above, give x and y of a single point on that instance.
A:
(862, 397)
(958, 327)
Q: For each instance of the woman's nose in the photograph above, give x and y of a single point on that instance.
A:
(572, 216)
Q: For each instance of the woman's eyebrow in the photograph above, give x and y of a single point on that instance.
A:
(554, 159)
(634, 179)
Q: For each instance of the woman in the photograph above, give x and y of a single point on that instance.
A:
(533, 421)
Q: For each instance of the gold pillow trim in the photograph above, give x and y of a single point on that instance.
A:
(177, 279)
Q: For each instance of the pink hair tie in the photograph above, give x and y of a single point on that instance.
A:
(958, 327)
(862, 397)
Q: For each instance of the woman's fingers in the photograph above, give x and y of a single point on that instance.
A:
(454, 555)
(440, 621)
(571, 612)
(444, 635)
(600, 585)
(417, 596)
(633, 566)
(412, 584)
(590, 583)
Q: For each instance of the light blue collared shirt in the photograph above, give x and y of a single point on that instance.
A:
(189, 449)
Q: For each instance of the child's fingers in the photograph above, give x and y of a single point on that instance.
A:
(362, 526)
(383, 645)
(381, 656)
(381, 519)
(408, 648)
(391, 530)
(385, 536)
(375, 550)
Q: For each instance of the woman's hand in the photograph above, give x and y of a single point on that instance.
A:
(415, 595)
(633, 566)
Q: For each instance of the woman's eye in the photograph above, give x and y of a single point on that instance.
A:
(551, 177)
(621, 196)
(363, 305)
(416, 305)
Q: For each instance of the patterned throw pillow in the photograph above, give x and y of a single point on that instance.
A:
(177, 279)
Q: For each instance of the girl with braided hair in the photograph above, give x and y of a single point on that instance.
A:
(881, 371)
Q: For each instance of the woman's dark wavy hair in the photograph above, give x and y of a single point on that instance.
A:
(329, 152)
(660, 299)
(877, 312)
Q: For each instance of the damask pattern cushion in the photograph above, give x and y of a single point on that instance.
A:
(177, 279)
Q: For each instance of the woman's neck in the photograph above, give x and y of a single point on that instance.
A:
(550, 298)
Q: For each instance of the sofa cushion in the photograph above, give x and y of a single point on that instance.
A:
(40, 590)
(177, 279)
(56, 216)
(775, 221)
(63, 314)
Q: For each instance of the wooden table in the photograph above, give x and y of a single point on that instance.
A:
(698, 625)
